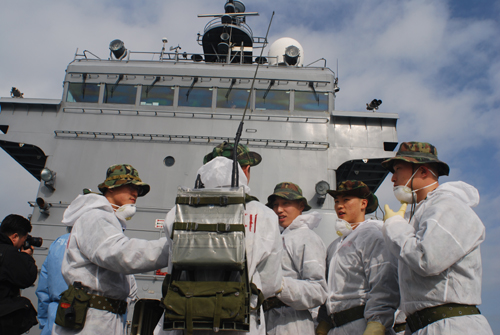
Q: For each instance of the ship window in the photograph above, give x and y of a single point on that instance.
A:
(308, 101)
(83, 92)
(237, 98)
(157, 96)
(277, 100)
(120, 94)
(195, 97)
(169, 161)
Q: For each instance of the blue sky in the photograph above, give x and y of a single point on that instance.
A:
(435, 63)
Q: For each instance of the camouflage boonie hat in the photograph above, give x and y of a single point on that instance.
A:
(123, 174)
(417, 153)
(245, 157)
(358, 189)
(289, 191)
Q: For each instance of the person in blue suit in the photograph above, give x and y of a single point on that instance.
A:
(51, 284)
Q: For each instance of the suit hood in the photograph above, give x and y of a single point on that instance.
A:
(82, 204)
(217, 173)
(463, 191)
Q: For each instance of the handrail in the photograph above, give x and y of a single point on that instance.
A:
(184, 57)
(317, 60)
(191, 139)
(204, 115)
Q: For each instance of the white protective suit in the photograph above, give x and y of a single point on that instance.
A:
(304, 283)
(101, 257)
(439, 257)
(262, 240)
(362, 271)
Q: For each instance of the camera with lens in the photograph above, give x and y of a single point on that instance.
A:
(32, 242)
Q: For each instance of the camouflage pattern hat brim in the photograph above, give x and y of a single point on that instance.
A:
(417, 153)
(244, 156)
(289, 191)
(123, 174)
(358, 189)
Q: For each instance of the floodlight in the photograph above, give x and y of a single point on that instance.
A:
(292, 54)
(117, 47)
(48, 176)
(373, 105)
(43, 206)
(261, 60)
(197, 57)
(321, 189)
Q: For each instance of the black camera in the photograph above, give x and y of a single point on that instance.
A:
(32, 241)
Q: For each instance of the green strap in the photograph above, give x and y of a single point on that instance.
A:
(259, 294)
(349, 315)
(189, 315)
(249, 198)
(218, 201)
(218, 311)
(399, 327)
(165, 284)
(213, 227)
(204, 201)
(271, 303)
(425, 317)
(107, 304)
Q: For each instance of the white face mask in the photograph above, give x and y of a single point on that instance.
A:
(124, 212)
(343, 227)
(405, 194)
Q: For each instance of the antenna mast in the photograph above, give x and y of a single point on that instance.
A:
(235, 176)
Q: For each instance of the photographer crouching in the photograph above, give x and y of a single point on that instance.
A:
(17, 271)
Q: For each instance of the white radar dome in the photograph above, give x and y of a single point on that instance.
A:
(286, 50)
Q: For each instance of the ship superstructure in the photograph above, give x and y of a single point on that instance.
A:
(163, 111)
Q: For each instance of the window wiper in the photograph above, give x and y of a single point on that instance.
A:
(195, 80)
(157, 79)
(316, 96)
(120, 77)
(84, 76)
(268, 89)
(233, 81)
